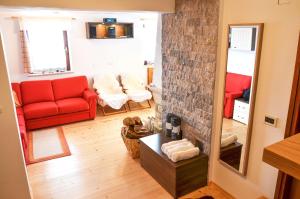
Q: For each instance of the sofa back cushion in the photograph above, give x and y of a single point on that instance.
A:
(69, 87)
(36, 91)
(236, 82)
(16, 87)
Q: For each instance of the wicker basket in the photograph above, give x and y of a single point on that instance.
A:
(132, 145)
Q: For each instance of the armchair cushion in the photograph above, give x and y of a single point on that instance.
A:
(107, 83)
(135, 88)
(139, 95)
(109, 91)
(115, 101)
(132, 82)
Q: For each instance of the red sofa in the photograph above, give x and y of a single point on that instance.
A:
(46, 103)
(234, 86)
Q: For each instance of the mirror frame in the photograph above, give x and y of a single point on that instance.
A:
(253, 95)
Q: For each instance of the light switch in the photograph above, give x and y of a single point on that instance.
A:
(270, 120)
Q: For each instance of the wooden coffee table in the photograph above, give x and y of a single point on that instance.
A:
(177, 178)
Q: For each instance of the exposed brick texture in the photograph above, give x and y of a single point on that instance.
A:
(189, 48)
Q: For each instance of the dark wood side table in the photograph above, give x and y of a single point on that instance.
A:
(231, 154)
(177, 178)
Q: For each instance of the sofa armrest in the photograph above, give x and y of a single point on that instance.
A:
(91, 97)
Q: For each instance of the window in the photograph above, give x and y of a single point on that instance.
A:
(47, 45)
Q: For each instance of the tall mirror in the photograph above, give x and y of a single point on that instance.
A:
(243, 54)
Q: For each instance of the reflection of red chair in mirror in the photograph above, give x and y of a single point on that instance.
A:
(235, 85)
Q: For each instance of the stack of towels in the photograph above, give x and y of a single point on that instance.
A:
(180, 150)
(227, 139)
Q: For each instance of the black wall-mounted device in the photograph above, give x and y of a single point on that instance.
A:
(109, 20)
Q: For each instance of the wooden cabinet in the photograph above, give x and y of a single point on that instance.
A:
(241, 111)
(96, 30)
(231, 154)
(177, 178)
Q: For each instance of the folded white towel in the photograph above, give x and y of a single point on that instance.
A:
(163, 146)
(167, 148)
(227, 139)
(180, 147)
(183, 155)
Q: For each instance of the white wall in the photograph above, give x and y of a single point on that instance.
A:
(241, 62)
(90, 56)
(13, 176)
(157, 76)
(282, 27)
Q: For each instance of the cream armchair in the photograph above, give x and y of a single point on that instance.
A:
(109, 91)
(135, 89)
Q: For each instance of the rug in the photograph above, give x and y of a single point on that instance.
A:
(47, 144)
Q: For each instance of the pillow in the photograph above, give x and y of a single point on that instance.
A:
(16, 99)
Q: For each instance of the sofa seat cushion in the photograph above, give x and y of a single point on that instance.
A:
(40, 110)
(72, 105)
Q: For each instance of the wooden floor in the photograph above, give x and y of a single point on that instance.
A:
(235, 127)
(211, 190)
(99, 166)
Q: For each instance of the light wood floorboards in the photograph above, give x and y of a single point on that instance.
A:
(99, 166)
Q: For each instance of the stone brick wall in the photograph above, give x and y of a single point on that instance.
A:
(189, 48)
